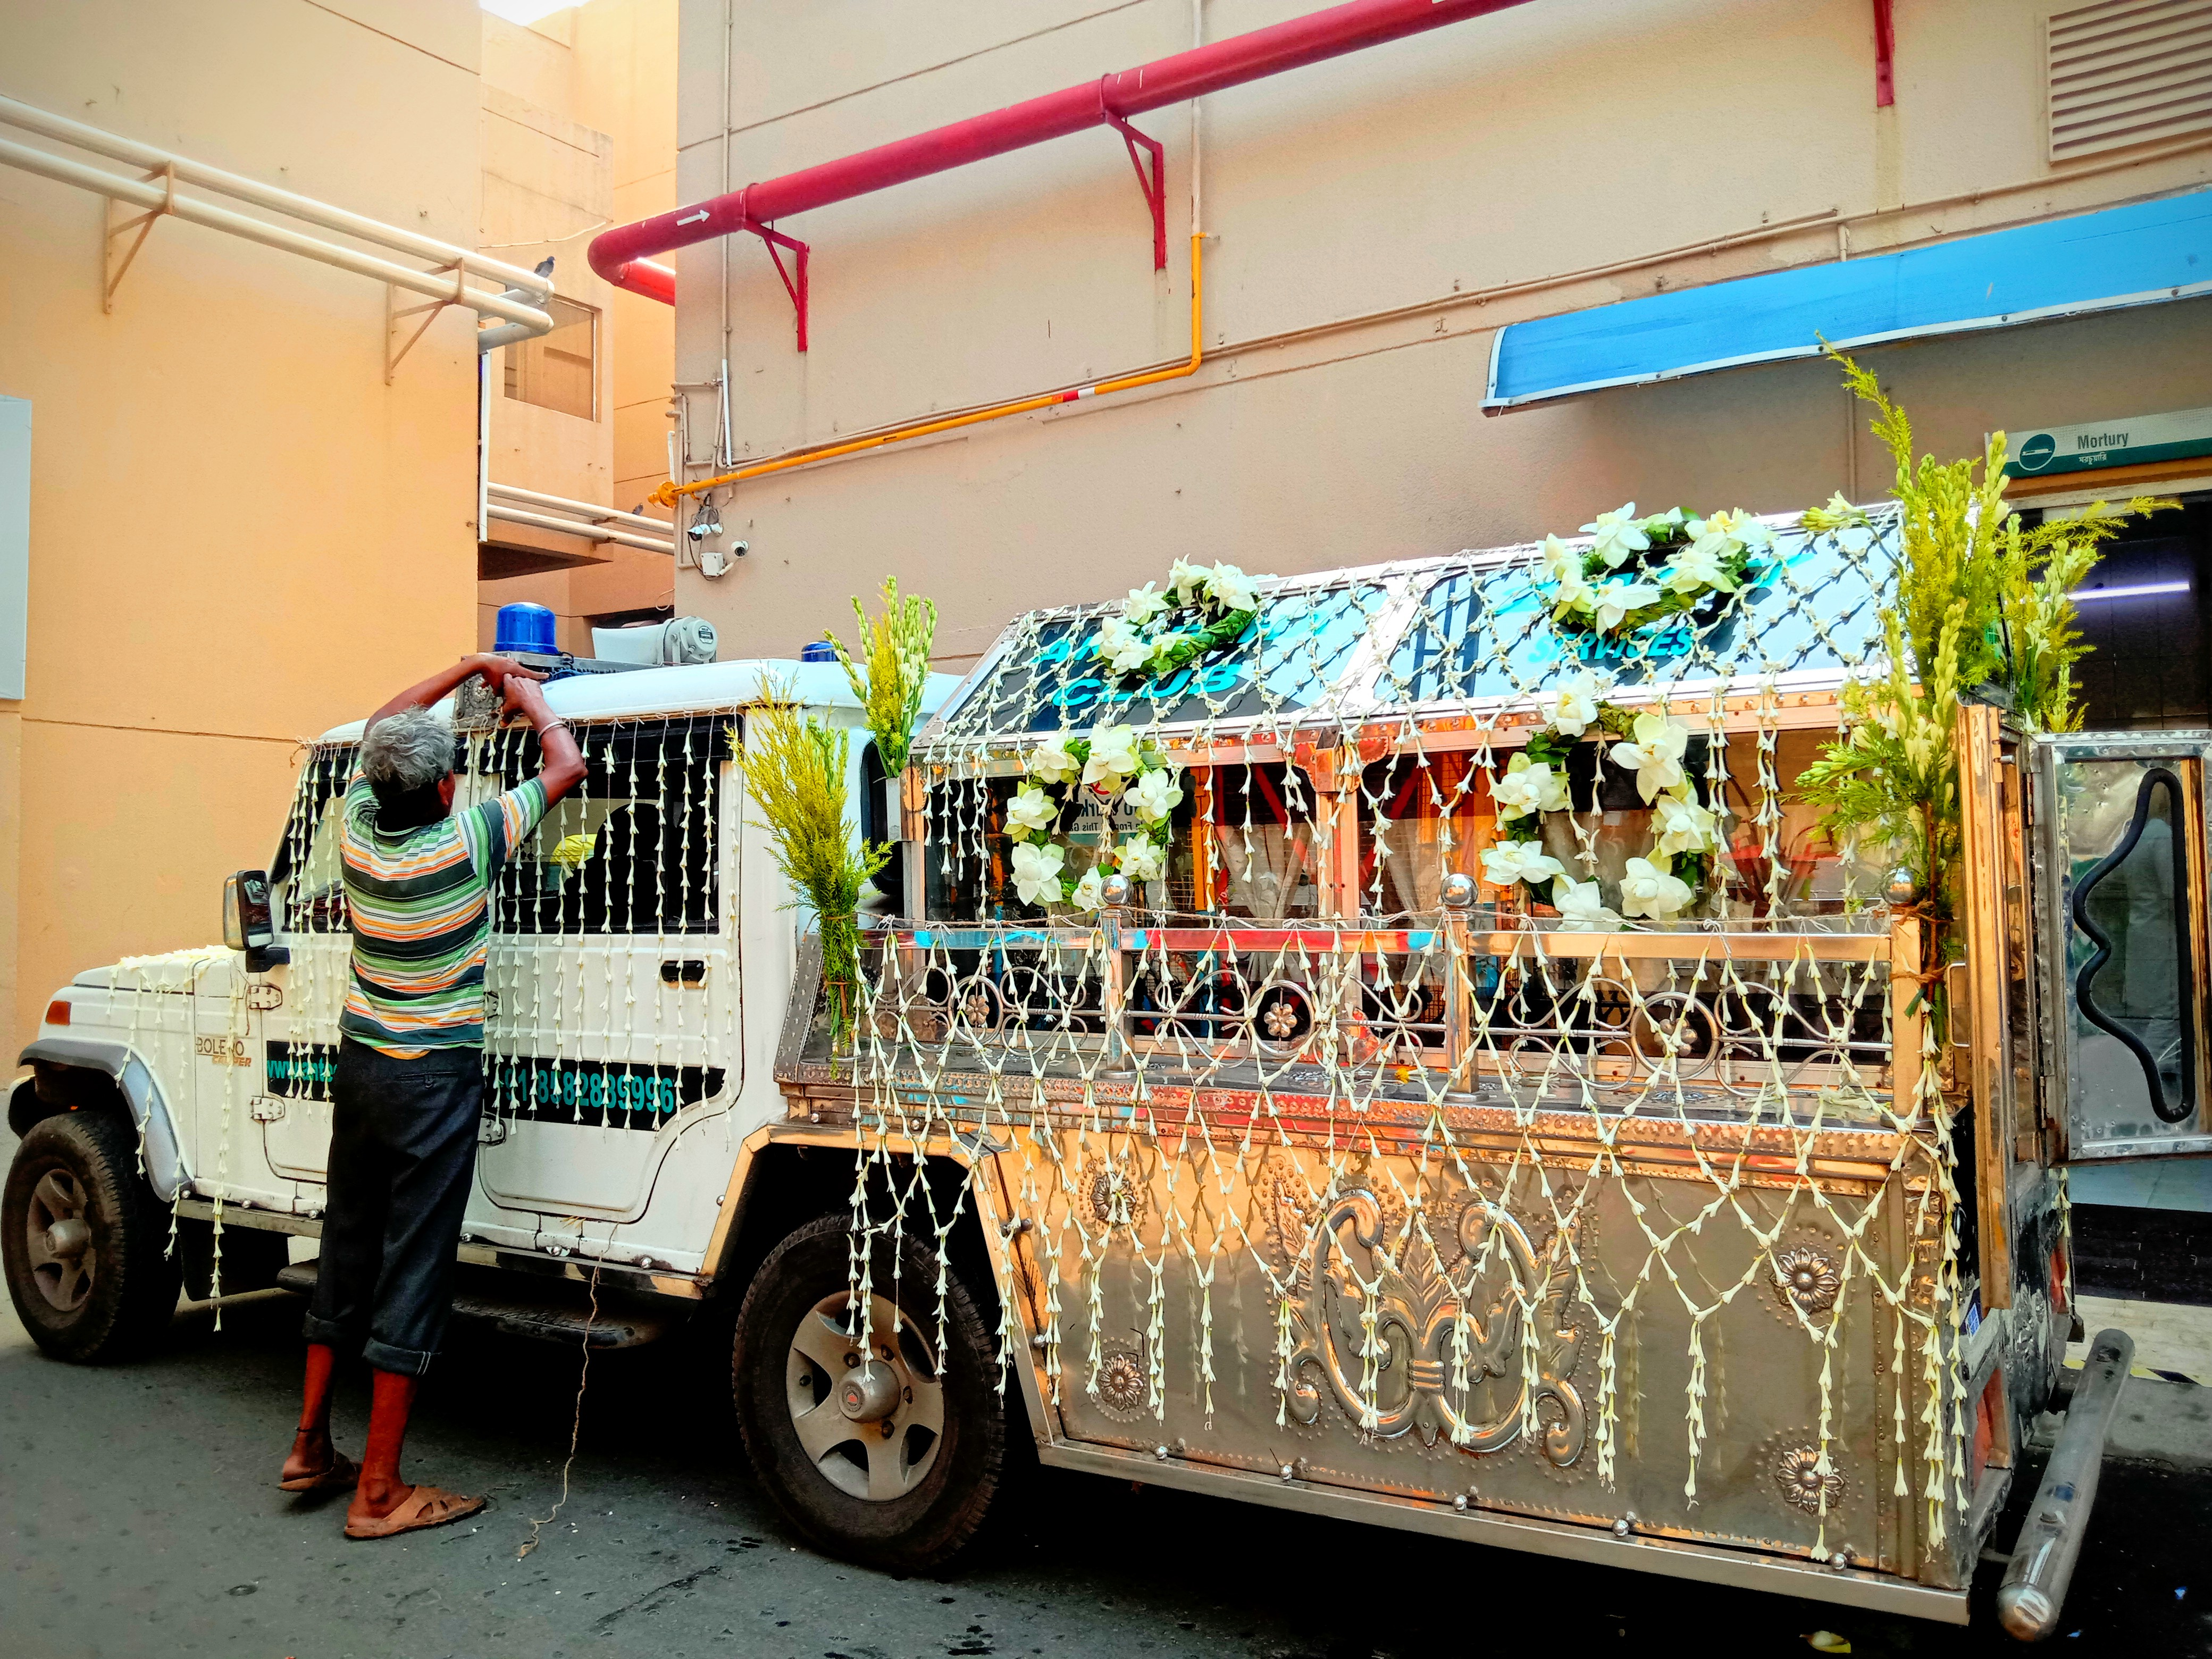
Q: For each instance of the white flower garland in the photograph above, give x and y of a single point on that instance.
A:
(1113, 763)
(1720, 553)
(1149, 636)
(1534, 783)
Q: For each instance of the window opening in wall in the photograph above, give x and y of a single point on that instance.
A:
(559, 370)
(2146, 670)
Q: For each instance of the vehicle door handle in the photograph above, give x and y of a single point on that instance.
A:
(688, 972)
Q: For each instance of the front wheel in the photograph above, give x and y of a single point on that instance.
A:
(877, 1443)
(85, 1240)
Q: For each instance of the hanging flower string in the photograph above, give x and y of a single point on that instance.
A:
(1639, 571)
(1660, 885)
(1205, 606)
(1112, 764)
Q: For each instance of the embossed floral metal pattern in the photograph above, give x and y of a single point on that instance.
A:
(1809, 1278)
(1797, 1474)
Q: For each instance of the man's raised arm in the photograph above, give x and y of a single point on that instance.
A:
(563, 767)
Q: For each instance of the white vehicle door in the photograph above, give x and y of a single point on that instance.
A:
(612, 1013)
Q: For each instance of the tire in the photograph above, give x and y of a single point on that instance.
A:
(26, 1111)
(908, 1501)
(108, 1290)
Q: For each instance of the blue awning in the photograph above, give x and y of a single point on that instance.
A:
(2125, 256)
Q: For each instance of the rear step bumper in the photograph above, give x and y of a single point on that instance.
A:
(547, 1310)
(2034, 1588)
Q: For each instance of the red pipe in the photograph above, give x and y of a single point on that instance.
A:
(618, 255)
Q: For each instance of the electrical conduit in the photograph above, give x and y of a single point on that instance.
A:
(668, 492)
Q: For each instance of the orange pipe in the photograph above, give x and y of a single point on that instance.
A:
(668, 492)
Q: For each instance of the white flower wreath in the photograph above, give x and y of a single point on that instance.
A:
(1114, 762)
(1640, 570)
(1652, 745)
(1153, 635)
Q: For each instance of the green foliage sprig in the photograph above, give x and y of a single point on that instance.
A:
(794, 771)
(1982, 601)
(896, 645)
(1892, 774)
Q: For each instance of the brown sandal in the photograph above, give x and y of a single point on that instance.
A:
(426, 1506)
(343, 1472)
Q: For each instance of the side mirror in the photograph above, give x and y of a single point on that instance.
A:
(246, 920)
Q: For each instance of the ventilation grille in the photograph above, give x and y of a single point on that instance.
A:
(2128, 72)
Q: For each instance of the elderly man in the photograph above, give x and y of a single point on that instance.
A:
(408, 1089)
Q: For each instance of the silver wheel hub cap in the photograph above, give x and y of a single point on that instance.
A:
(866, 1398)
(869, 1393)
(57, 1237)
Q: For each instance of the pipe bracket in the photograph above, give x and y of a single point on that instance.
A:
(112, 276)
(394, 315)
(794, 279)
(1154, 184)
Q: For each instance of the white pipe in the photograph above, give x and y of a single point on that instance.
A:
(136, 154)
(590, 510)
(589, 533)
(483, 445)
(436, 285)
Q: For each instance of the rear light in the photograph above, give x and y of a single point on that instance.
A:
(58, 1011)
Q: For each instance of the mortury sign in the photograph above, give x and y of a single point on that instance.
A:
(2039, 451)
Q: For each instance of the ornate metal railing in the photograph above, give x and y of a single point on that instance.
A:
(1457, 1003)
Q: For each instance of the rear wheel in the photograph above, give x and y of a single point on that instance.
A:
(877, 1444)
(84, 1238)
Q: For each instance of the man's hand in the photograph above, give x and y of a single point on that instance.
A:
(518, 695)
(497, 671)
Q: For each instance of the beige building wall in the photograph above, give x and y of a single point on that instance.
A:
(580, 130)
(240, 535)
(1371, 222)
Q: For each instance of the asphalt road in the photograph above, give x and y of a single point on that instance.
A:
(139, 1515)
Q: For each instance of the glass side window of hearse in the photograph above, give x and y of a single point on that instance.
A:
(2130, 974)
(1241, 842)
(306, 869)
(632, 848)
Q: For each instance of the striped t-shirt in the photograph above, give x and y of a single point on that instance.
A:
(421, 919)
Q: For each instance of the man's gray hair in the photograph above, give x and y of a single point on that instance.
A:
(407, 751)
